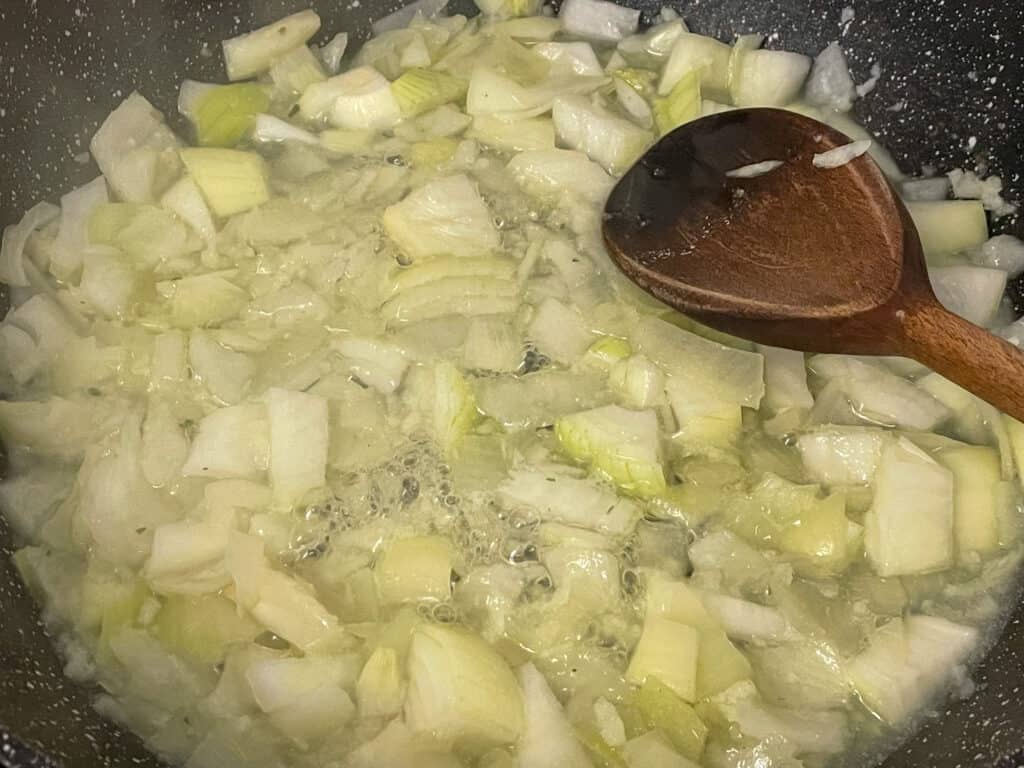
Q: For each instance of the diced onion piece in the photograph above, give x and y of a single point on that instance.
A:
(909, 528)
(187, 558)
(108, 282)
(415, 569)
(420, 90)
(298, 444)
(225, 374)
(768, 78)
(609, 723)
(834, 158)
(653, 749)
(706, 425)
(980, 501)
(360, 99)
(270, 129)
(442, 268)
(380, 689)
(144, 233)
(681, 105)
(492, 344)
(460, 690)
(559, 331)
(785, 379)
(283, 604)
(76, 208)
(830, 84)
(1004, 252)
(530, 28)
(185, 201)
(454, 406)
(252, 53)
(553, 172)
(667, 651)
(837, 455)
(444, 216)
(346, 142)
(56, 427)
(633, 102)
(118, 506)
(881, 395)
(231, 442)
(513, 135)
(12, 252)
(651, 46)
(231, 181)
(908, 662)
(619, 444)
(46, 321)
(917, 190)
(189, 94)
(753, 170)
(376, 363)
(974, 293)
(706, 56)
(400, 19)
(967, 186)
(608, 140)
(136, 151)
(709, 371)
(560, 497)
(295, 71)
(469, 296)
(333, 51)
(205, 300)
(949, 226)
(548, 739)
(501, 9)
(598, 20)
(304, 697)
(224, 115)
(570, 58)
(493, 93)
(639, 382)
(748, 622)
(663, 711)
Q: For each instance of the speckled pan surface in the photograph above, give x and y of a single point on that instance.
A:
(951, 94)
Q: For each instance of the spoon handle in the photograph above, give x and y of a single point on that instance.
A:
(979, 361)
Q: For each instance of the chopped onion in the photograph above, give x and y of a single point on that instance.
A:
(839, 156)
(598, 20)
(1004, 252)
(936, 188)
(189, 94)
(830, 84)
(251, 54)
(967, 186)
(570, 58)
(754, 169)
(973, 293)
(427, 9)
(12, 252)
(332, 53)
(270, 129)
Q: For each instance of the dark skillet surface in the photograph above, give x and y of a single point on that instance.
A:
(957, 66)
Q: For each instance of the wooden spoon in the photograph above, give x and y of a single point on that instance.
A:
(820, 260)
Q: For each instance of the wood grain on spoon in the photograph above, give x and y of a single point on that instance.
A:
(822, 260)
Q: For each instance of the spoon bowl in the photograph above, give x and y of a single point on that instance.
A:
(790, 254)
